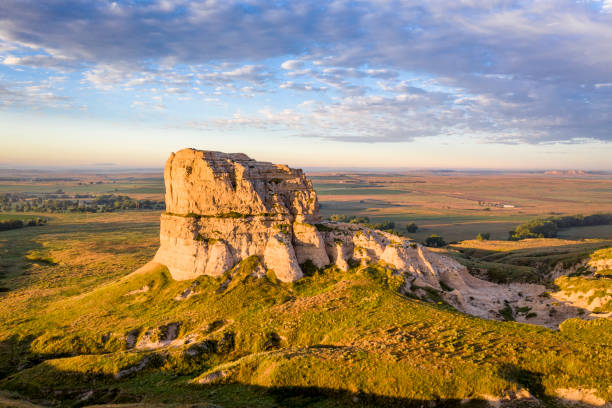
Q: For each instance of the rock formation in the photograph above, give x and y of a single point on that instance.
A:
(224, 208)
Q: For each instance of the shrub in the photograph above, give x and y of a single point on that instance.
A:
(483, 236)
(539, 228)
(548, 227)
(10, 224)
(412, 227)
(435, 241)
(353, 219)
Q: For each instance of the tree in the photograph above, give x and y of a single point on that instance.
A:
(538, 228)
(412, 227)
(483, 236)
(435, 241)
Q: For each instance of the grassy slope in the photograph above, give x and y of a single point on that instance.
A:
(322, 341)
(529, 260)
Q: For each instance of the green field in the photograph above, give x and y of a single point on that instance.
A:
(326, 341)
(70, 300)
(458, 206)
(137, 185)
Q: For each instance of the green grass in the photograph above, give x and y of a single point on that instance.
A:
(336, 335)
(605, 253)
(598, 231)
(528, 260)
(592, 288)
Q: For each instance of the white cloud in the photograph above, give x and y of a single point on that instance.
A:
(534, 71)
(292, 65)
(302, 87)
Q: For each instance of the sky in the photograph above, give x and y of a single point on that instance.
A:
(405, 84)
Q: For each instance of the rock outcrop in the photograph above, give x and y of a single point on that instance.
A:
(224, 208)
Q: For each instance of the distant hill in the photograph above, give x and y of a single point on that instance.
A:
(567, 173)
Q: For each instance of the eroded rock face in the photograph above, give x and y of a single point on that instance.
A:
(222, 208)
(213, 183)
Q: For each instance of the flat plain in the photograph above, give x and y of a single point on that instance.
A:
(458, 205)
(70, 298)
(455, 205)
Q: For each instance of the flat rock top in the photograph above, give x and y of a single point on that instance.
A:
(215, 183)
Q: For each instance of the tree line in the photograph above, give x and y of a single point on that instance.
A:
(6, 225)
(549, 227)
(21, 202)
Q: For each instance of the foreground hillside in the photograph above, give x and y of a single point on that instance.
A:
(97, 333)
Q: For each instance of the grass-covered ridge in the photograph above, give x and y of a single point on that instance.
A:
(322, 341)
(528, 260)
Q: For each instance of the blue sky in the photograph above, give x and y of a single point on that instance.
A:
(453, 84)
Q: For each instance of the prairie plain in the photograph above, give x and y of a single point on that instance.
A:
(455, 205)
(458, 205)
(69, 297)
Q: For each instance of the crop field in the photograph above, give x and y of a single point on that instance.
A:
(136, 185)
(454, 205)
(458, 206)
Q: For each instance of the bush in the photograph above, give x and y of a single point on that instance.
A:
(6, 225)
(412, 227)
(435, 241)
(365, 221)
(10, 224)
(483, 236)
(353, 219)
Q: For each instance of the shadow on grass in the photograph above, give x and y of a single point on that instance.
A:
(30, 377)
(15, 245)
(524, 265)
(46, 385)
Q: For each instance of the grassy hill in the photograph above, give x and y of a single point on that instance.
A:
(96, 333)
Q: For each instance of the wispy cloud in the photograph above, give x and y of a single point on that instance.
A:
(378, 71)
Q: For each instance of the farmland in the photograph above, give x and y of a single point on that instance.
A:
(454, 205)
(458, 206)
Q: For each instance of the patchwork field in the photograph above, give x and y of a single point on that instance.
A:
(454, 205)
(458, 206)
(139, 185)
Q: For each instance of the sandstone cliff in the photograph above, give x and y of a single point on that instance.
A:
(223, 208)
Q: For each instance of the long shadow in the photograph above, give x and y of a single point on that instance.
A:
(15, 355)
(34, 379)
(71, 389)
(13, 262)
(45, 384)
